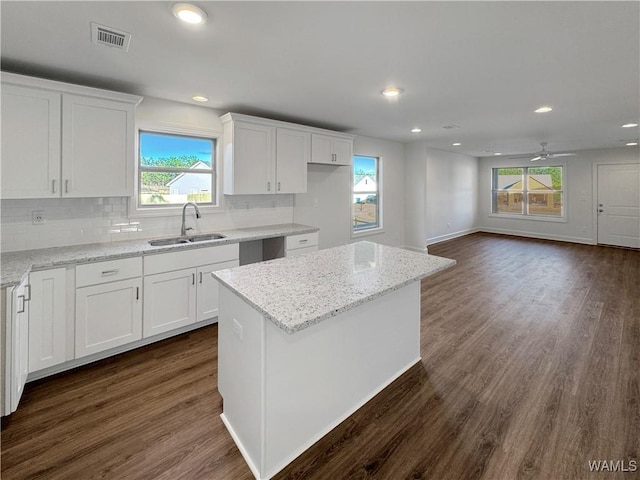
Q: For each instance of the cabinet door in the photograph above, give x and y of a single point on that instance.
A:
(292, 154)
(207, 298)
(19, 344)
(342, 151)
(253, 159)
(321, 149)
(30, 143)
(97, 147)
(169, 301)
(47, 318)
(107, 316)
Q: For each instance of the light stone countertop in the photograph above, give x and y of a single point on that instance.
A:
(15, 265)
(297, 292)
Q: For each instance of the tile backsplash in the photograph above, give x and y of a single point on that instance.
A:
(76, 221)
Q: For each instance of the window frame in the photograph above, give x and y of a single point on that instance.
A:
(379, 228)
(217, 205)
(525, 192)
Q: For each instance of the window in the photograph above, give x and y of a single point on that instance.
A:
(528, 191)
(175, 169)
(366, 193)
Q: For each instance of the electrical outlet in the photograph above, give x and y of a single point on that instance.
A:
(37, 217)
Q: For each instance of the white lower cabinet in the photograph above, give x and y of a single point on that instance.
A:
(18, 336)
(207, 294)
(179, 289)
(47, 318)
(108, 305)
(169, 301)
(300, 244)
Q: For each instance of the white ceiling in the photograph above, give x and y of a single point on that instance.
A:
(483, 66)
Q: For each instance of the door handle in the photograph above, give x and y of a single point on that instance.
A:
(278, 186)
(268, 186)
(66, 186)
(200, 277)
(137, 293)
(193, 279)
(21, 309)
(28, 297)
(53, 186)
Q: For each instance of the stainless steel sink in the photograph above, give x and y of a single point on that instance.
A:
(162, 242)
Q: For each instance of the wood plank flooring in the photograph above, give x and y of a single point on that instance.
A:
(530, 369)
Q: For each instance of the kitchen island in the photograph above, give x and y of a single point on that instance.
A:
(306, 341)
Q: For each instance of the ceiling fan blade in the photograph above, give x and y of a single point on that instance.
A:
(536, 158)
(564, 154)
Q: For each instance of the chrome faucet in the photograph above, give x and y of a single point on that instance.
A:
(183, 229)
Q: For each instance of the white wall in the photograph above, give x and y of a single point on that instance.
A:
(327, 203)
(441, 195)
(580, 199)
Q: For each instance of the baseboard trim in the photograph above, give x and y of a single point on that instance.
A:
(540, 236)
(449, 236)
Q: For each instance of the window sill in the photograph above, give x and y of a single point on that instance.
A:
(367, 233)
(171, 211)
(536, 218)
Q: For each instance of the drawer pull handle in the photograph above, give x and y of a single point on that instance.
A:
(108, 273)
(137, 293)
(200, 277)
(193, 279)
(21, 309)
(304, 241)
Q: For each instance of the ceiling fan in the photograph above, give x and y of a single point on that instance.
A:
(544, 155)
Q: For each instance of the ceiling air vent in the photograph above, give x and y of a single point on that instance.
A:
(110, 37)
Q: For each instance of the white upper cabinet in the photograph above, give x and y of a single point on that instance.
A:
(62, 140)
(331, 150)
(249, 158)
(293, 148)
(30, 143)
(269, 156)
(97, 147)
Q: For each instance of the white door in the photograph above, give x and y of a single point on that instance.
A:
(619, 205)
(208, 289)
(293, 150)
(47, 318)
(30, 143)
(97, 147)
(169, 301)
(107, 316)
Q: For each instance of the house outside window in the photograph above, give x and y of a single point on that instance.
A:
(528, 191)
(366, 193)
(175, 169)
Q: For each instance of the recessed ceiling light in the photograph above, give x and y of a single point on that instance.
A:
(631, 144)
(629, 125)
(457, 144)
(392, 92)
(189, 13)
(416, 130)
(543, 109)
(200, 98)
(497, 153)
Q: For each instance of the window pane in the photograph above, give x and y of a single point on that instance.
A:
(545, 203)
(175, 188)
(172, 151)
(365, 211)
(545, 178)
(509, 179)
(508, 202)
(365, 174)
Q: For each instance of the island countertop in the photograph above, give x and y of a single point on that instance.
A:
(297, 292)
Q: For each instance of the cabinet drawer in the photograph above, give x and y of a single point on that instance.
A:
(300, 251)
(300, 241)
(110, 271)
(189, 258)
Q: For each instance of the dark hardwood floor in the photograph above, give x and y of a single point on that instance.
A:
(530, 369)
